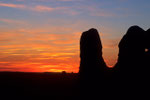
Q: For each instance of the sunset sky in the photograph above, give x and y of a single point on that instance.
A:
(44, 35)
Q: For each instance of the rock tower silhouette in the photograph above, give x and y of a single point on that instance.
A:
(92, 64)
(131, 52)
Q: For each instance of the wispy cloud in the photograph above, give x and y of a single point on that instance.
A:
(41, 8)
(12, 5)
(74, 10)
(94, 10)
(11, 21)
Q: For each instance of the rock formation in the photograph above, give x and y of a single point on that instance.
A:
(92, 63)
(131, 52)
(147, 52)
(92, 66)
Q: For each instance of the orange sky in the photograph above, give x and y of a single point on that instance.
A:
(41, 50)
(30, 47)
(38, 52)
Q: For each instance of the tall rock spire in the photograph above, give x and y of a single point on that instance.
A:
(92, 64)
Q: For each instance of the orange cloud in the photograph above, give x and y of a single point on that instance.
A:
(12, 5)
(41, 8)
(11, 21)
(35, 8)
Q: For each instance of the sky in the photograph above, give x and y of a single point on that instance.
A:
(44, 35)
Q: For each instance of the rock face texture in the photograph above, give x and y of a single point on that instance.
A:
(92, 64)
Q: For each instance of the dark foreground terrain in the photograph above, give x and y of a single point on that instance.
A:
(67, 86)
(18, 85)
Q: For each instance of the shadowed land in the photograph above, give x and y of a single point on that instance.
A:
(24, 85)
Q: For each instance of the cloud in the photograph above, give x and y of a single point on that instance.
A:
(60, 10)
(41, 8)
(12, 21)
(111, 43)
(94, 10)
(12, 5)
(75, 9)
(71, 10)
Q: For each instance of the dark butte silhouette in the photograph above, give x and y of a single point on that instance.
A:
(92, 64)
(147, 52)
(147, 39)
(131, 52)
(130, 72)
(93, 70)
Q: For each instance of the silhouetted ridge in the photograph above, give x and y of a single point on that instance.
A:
(148, 39)
(147, 53)
(92, 63)
(92, 69)
(131, 52)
